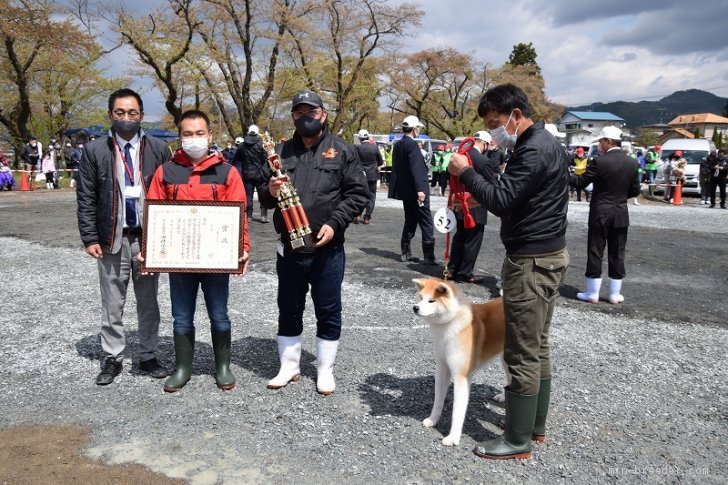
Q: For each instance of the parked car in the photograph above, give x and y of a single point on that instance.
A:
(693, 151)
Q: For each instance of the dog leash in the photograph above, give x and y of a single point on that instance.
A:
(457, 190)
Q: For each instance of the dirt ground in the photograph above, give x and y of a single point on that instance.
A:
(669, 269)
(50, 455)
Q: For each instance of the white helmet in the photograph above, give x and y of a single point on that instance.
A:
(483, 136)
(363, 134)
(239, 140)
(611, 133)
(411, 121)
(253, 130)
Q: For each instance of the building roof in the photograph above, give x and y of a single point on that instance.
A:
(699, 118)
(595, 115)
(682, 132)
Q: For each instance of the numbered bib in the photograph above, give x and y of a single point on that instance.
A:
(445, 220)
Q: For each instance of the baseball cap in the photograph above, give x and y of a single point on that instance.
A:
(678, 153)
(411, 121)
(307, 97)
(253, 130)
(482, 135)
(363, 134)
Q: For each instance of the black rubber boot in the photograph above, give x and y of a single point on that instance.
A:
(515, 442)
(428, 251)
(406, 251)
(542, 410)
(221, 346)
(184, 349)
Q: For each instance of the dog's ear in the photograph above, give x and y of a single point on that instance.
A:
(442, 289)
(419, 283)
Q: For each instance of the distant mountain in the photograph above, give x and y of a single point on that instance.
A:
(662, 111)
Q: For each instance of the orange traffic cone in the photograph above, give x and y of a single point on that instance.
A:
(677, 198)
(24, 182)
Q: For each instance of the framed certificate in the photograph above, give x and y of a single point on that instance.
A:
(192, 236)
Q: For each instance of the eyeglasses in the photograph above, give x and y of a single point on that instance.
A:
(120, 113)
(313, 113)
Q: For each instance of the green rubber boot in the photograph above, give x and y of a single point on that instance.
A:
(542, 410)
(515, 442)
(221, 346)
(184, 349)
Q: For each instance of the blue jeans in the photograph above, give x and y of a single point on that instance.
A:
(183, 294)
(323, 270)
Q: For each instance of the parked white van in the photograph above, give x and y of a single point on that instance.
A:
(693, 151)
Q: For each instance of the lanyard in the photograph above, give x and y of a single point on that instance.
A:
(128, 167)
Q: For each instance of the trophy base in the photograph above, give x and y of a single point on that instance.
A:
(302, 243)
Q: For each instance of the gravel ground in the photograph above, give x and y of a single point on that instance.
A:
(637, 399)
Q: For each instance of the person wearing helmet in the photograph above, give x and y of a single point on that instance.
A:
(652, 159)
(579, 163)
(668, 172)
(371, 159)
(408, 183)
(444, 175)
(249, 159)
(437, 158)
(614, 175)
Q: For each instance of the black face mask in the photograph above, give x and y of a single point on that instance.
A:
(308, 126)
(126, 127)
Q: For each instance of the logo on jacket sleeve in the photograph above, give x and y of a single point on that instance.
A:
(330, 153)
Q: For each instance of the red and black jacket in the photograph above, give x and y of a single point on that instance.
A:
(210, 179)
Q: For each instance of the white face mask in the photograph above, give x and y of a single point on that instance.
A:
(195, 148)
(502, 137)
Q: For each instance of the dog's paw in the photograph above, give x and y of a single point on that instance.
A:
(428, 423)
(501, 397)
(451, 440)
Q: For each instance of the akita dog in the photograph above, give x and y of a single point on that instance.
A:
(465, 336)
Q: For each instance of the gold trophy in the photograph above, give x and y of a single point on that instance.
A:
(288, 202)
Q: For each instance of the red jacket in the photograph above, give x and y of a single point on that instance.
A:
(210, 179)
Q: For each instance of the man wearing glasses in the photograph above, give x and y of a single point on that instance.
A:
(113, 177)
(332, 187)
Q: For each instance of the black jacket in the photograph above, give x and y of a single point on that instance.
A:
(371, 159)
(409, 171)
(30, 154)
(486, 167)
(329, 180)
(250, 158)
(532, 195)
(614, 176)
(97, 194)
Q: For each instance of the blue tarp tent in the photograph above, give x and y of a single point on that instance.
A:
(99, 131)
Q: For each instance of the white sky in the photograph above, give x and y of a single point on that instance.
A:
(627, 50)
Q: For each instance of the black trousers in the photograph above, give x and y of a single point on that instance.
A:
(372, 200)
(414, 216)
(250, 186)
(615, 238)
(717, 182)
(464, 249)
(444, 179)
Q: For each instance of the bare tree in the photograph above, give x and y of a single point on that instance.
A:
(347, 35)
(162, 40)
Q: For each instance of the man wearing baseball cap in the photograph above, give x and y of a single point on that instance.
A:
(408, 182)
(614, 175)
(332, 188)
